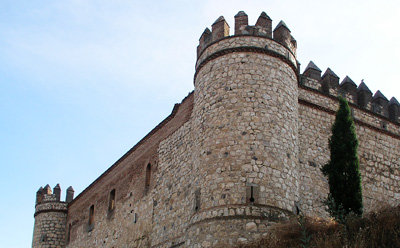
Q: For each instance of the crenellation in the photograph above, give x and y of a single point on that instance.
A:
(70, 194)
(282, 35)
(239, 154)
(394, 109)
(360, 95)
(220, 29)
(47, 190)
(348, 89)
(329, 103)
(329, 82)
(265, 22)
(379, 104)
(263, 28)
(39, 195)
(204, 40)
(364, 96)
(241, 22)
(57, 192)
(50, 219)
(312, 71)
(293, 44)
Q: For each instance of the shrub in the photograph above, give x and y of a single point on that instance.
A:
(345, 192)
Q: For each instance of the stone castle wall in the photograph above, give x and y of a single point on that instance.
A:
(379, 152)
(243, 130)
(240, 153)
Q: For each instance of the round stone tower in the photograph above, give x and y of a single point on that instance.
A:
(50, 218)
(245, 119)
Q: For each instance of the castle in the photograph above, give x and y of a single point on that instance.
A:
(241, 152)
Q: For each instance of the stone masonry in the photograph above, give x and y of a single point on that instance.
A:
(240, 153)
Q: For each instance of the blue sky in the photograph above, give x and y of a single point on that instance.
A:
(81, 82)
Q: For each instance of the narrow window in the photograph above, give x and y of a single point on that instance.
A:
(69, 233)
(91, 218)
(384, 125)
(251, 199)
(252, 192)
(197, 200)
(148, 177)
(43, 238)
(135, 218)
(296, 208)
(111, 202)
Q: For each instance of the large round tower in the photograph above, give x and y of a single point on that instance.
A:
(245, 119)
(50, 218)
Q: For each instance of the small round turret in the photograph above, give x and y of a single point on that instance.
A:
(245, 114)
(50, 219)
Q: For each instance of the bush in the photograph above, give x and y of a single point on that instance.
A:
(376, 229)
(344, 178)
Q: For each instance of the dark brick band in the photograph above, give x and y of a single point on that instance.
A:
(243, 216)
(243, 35)
(50, 210)
(350, 104)
(361, 123)
(234, 217)
(249, 49)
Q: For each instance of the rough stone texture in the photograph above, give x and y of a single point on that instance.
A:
(239, 41)
(242, 131)
(379, 154)
(133, 201)
(239, 154)
(50, 223)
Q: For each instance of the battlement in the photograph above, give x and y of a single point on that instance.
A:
(45, 194)
(50, 217)
(263, 28)
(242, 152)
(360, 95)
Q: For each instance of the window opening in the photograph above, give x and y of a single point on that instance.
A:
(197, 200)
(251, 194)
(69, 233)
(148, 177)
(297, 210)
(384, 125)
(111, 203)
(91, 218)
(43, 238)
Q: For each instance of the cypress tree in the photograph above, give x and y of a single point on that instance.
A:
(345, 192)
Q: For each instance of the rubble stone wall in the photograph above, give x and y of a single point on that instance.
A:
(130, 223)
(245, 117)
(50, 222)
(238, 155)
(379, 153)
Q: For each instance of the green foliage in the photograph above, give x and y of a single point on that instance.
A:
(336, 211)
(380, 228)
(342, 170)
(305, 237)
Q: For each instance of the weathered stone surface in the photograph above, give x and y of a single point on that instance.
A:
(238, 155)
(251, 227)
